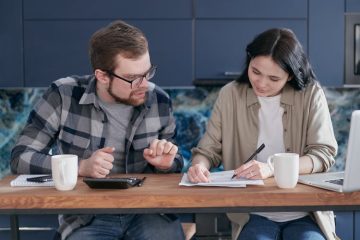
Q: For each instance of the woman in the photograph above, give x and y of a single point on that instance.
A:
(275, 101)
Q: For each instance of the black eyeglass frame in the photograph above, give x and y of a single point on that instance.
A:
(148, 75)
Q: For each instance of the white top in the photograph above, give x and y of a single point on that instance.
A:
(271, 134)
(270, 127)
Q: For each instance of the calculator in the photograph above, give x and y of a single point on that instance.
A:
(113, 182)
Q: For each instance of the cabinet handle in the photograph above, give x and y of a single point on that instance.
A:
(232, 73)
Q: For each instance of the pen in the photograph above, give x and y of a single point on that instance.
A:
(141, 182)
(252, 156)
(40, 179)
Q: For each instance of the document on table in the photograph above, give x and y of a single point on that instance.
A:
(222, 179)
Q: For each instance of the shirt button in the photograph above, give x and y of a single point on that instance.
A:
(285, 112)
(285, 129)
(288, 149)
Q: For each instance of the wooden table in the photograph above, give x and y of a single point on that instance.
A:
(161, 193)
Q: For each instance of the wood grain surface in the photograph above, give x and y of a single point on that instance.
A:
(161, 192)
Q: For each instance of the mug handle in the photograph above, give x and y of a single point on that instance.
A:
(270, 162)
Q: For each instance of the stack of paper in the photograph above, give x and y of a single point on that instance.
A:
(222, 179)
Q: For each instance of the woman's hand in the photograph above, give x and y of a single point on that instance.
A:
(254, 170)
(198, 173)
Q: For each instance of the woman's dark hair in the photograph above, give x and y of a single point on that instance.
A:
(285, 50)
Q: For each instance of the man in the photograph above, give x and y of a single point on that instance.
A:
(116, 121)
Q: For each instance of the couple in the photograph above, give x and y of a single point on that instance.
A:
(117, 121)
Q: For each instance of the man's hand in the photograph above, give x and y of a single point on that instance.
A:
(160, 154)
(99, 164)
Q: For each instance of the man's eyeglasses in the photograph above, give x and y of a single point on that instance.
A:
(136, 80)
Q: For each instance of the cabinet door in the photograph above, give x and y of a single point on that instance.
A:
(32, 227)
(11, 62)
(344, 225)
(352, 6)
(220, 44)
(260, 9)
(107, 9)
(326, 41)
(55, 49)
(357, 225)
(170, 43)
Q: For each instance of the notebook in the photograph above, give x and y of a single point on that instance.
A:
(346, 181)
(20, 181)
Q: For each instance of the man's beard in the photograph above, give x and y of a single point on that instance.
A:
(128, 101)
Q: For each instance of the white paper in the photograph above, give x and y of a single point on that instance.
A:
(222, 179)
(20, 181)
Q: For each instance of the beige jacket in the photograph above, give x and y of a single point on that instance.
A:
(232, 130)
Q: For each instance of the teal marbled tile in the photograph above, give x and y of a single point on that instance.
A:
(192, 109)
(15, 106)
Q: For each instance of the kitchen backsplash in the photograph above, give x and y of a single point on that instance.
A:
(192, 108)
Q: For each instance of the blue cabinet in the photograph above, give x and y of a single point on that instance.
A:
(253, 9)
(220, 44)
(55, 49)
(326, 40)
(11, 60)
(43, 40)
(345, 225)
(357, 225)
(352, 6)
(56, 37)
(106, 9)
(223, 29)
(170, 43)
(32, 227)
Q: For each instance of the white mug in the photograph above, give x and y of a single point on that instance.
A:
(286, 169)
(64, 170)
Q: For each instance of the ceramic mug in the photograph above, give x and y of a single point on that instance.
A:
(286, 169)
(64, 170)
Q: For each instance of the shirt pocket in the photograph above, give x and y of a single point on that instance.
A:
(75, 139)
(141, 142)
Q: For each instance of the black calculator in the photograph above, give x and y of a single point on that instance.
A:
(113, 182)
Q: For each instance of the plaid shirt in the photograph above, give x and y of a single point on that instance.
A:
(69, 120)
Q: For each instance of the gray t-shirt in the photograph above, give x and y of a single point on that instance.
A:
(118, 115)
